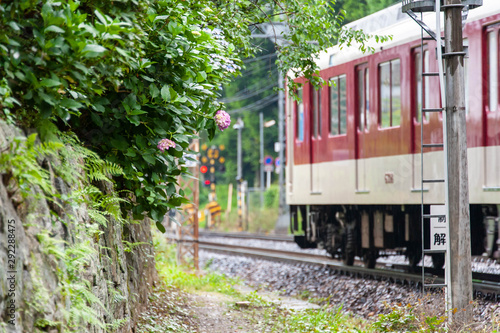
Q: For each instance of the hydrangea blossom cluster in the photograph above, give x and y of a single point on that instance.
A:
(165, 144)
(222, 119)
(217, 61)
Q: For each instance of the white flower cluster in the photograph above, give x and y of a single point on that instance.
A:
(218, 61)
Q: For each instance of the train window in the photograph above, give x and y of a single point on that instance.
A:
(299, 119)
(390, 93)
(419, 85)
(316, 113)
(363, 98)
(493, 70)
(338, 108)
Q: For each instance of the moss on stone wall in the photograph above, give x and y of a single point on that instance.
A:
(72, 271)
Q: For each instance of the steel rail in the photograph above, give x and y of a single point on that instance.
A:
(288, 239)
(486, 286)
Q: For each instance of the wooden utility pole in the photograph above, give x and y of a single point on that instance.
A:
(459, 254)
(187, 233)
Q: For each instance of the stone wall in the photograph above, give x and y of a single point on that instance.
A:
(118, 270)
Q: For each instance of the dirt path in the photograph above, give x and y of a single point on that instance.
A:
(216, 313)
(173, 310)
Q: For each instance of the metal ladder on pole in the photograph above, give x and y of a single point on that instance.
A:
(442, 214)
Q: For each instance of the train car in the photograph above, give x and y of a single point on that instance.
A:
(353, 171)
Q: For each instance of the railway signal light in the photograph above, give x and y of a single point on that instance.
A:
(206, 182)
(203, 169)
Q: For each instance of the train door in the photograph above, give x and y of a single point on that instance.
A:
(315, 132)
(420, 93)
(362, 124)
(492, 110)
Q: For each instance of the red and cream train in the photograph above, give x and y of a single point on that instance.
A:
(353, 148)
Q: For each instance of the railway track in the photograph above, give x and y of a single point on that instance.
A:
(288, 239)
(486, 286)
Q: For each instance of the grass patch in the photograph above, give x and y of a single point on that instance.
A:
(185, 279)
(267, 317)
(322, 320)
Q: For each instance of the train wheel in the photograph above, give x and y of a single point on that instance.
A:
(414, 258)
(348, 258)
(348, 251)
(438, 260)
(370, 258)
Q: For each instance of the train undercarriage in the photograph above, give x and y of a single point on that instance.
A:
(372, 231)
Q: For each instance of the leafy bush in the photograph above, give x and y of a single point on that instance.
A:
(124, 75)
(409, 318)
(271, 197)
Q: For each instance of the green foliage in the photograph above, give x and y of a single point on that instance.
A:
(405, 319)
(271, 197)
(322, 320)
(251, 93)
(39, 295)
(70, 260)
(173, 275)
(102, 206)
(396, 320)
(256, 299)
(20, 161)
(123, 75)
(356, 9)
(129, 246)
(316, 28)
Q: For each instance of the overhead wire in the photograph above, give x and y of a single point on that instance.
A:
(249, 71)
(244, 94)
(270, 55)
(256, 105)
(250, 92)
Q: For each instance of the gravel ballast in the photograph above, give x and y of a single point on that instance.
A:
(365, 298)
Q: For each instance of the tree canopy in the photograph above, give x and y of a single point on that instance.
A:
(124, 75)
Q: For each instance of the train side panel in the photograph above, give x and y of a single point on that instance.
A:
(353, 154)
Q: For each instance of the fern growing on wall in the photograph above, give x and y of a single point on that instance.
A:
(32, 166)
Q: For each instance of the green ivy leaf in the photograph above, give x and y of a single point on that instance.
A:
(70, 103)
(201, 76)
(93, 50)
(170, 189)
(54, 28)
(150, 159)
(160, 226)
(50, 83)
(153, 90)
(165, 93)
(96, 119)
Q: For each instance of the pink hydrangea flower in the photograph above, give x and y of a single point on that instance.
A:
(165, 144)
(222, 119)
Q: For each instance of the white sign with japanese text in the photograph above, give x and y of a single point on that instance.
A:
(439, 228)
